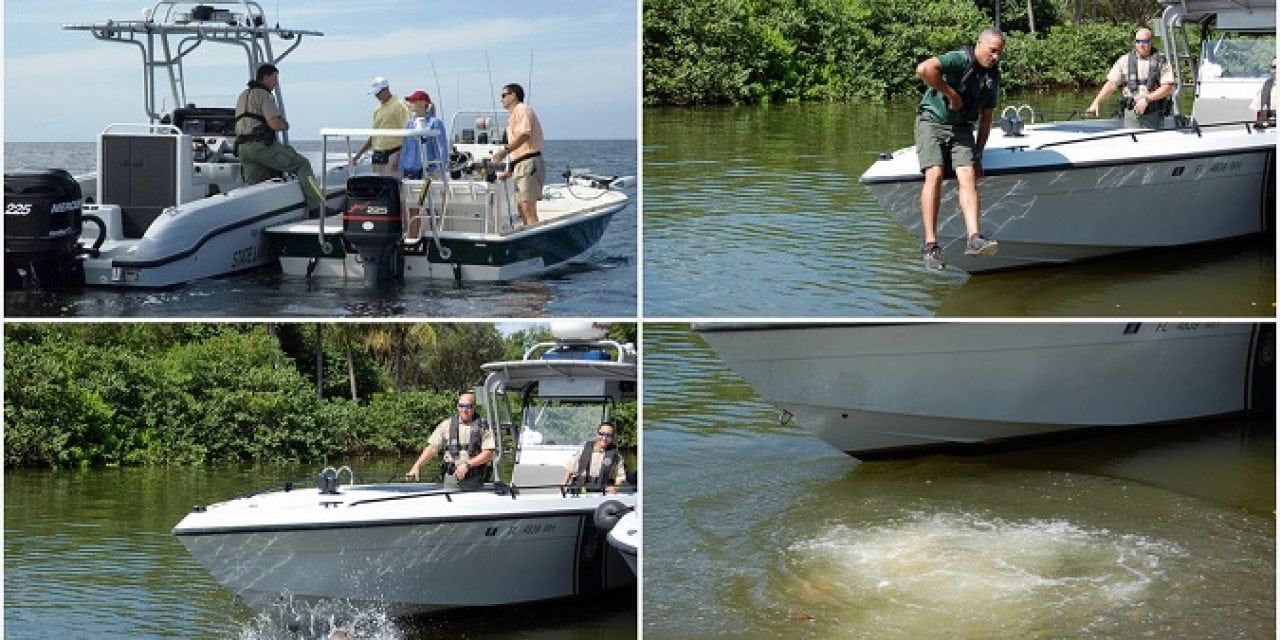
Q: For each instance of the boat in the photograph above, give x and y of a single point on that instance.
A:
(1060, 192)
(167, 203)
(625, 537)
(463, 225)
(896, 390)
(414, 548)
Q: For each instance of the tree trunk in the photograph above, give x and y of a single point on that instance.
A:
(351, 373)
(1031, 17)
(319, 361)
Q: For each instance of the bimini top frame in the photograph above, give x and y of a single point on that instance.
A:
(172, 29)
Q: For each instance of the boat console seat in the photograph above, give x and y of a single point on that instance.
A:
(532, 475)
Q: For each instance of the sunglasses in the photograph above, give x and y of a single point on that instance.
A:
(606, 436)
(1142, 41)
(466, 405)
(504, 94)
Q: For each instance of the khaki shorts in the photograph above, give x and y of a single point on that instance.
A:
(528, 176)
(947, 145)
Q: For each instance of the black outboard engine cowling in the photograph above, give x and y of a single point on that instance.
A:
(373, 225)
(43, 214)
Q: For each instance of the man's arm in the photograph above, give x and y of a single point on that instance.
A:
(1161, 92)
(1106, 90)
(930, 72)
(427, 454)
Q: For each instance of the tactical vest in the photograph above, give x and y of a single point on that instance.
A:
(608, 461)
(1153, 81)
(1268, 111)
(261, 133)
(454, 445)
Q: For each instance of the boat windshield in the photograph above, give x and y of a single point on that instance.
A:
(479, 127)
(560, 423)
(1233, 55)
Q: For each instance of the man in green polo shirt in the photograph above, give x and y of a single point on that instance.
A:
(962, 88)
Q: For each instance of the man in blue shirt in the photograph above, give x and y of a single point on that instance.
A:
(411, 162)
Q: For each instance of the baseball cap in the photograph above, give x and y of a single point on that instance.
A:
(418, 95)
(377, 85)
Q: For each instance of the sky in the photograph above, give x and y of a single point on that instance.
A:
(577, 59)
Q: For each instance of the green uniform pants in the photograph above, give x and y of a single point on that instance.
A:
(258, 161)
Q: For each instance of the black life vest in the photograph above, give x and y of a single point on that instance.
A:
(608, 461)
(263, 131)
(1268, 111)
(454, 445)
(1152, 80)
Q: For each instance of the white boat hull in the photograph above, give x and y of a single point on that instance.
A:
(625, 537)
(478, 252)
(213, 236)
(1064, 193)
(880, 390)
(468, 550)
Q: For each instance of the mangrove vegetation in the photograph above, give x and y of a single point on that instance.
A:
(754, 52)
(196, 393)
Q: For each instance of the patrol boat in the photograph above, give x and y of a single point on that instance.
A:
(410, 548)
(167, 204)
(462, 225)
(1059, 192)
(895, 390)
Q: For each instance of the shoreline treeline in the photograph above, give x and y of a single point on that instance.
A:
(173, 394)
(755, 52)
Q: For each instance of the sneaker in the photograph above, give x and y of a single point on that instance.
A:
(933, 257)
(979, 245)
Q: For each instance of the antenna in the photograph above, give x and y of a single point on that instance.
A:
(439, 89)
(528, 89)
(492, 88)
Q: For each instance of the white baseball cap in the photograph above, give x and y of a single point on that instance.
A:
(377, 85)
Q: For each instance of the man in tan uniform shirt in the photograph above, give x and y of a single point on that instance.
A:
(1145, 106)
(465, 458)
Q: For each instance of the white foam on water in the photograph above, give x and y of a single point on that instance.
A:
(978, 574)
(294, 620)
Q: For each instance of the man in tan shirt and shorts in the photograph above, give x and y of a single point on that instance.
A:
(524, 146)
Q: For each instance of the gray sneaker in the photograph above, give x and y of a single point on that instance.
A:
(979, 245)
(933, 257)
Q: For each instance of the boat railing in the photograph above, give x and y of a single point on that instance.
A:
(1191, 127)
(621, 353)
(244, 25)
(433, 215)
(497, 488)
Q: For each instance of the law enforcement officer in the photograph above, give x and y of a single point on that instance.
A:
(468, 445)
(262, 157)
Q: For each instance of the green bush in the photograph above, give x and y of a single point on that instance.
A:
(743, 52)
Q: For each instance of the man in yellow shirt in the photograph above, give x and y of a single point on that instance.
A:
(391, 113)
(524, 145)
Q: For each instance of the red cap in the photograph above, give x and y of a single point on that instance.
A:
(418, 95)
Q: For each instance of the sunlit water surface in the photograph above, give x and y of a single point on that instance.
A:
(758, 529)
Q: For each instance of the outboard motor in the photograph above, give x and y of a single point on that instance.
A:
(372, 224)
(43, 212)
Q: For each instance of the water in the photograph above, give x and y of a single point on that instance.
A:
(89, 554)
(766, 531)
(757, 211)
(600, 283)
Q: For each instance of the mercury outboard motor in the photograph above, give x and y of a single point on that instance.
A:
(43, 212)
(372, 224)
